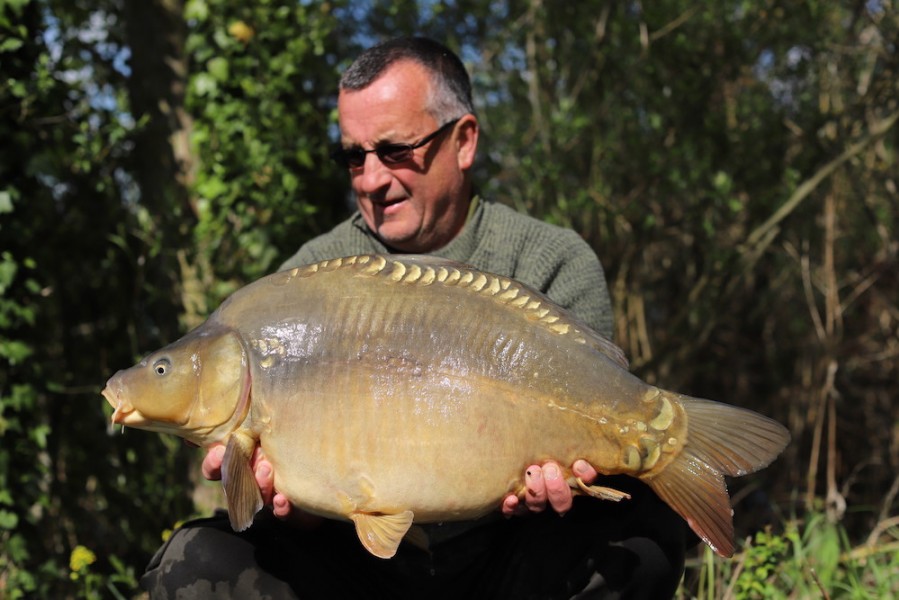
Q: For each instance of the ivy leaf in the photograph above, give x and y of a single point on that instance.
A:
(8, 520)
(218, 68)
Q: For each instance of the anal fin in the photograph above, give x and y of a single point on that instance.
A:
(417, 537)
(241, 490)
(602, 492)
(381, 534)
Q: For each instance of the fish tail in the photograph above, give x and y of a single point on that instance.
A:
(721, 440)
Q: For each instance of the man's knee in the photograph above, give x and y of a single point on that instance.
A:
(205, 560)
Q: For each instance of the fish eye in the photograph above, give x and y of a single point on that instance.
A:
(162, 366)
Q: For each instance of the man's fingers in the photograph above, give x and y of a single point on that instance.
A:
(535, 496)
(265, 478)
(280, 506)
(510, 505)
(212, 463)
(581, 468)
(547, 485)
(514, 507)
(558, 493)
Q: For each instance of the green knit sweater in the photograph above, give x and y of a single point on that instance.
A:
(499, 240)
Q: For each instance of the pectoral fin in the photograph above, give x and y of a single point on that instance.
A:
(241, 490)
(381, 534)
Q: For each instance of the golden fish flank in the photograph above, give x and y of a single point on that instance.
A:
(370, 351)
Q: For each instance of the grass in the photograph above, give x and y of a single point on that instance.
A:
(811, 558)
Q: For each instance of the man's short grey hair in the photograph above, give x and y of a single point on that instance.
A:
(450, 95)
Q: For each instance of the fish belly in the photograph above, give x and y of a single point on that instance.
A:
(444, 446)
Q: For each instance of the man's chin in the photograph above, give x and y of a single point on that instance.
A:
(399, 239)
(401, 244)
(394, 231)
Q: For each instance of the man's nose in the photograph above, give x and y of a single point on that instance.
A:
(373, 176)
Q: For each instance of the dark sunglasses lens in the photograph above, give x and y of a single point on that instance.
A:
(355, 158)
(394, 153)
(348, 157)
(390, 154)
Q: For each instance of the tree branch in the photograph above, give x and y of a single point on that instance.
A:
(759, 239)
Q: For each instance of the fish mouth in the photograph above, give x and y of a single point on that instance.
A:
(124, 413)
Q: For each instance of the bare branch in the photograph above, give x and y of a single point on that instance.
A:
(760, 237)
(672, 25)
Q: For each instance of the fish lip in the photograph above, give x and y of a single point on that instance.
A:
(109, 395)
(123, 412)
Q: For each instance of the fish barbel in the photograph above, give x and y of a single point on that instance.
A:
(391, 389)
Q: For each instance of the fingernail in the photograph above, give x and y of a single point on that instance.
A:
(551, 471)
(219, 451)
(265, 471)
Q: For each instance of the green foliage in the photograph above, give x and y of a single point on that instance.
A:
(262, 98)
(63, 176)
(23, 428)
(810, 558)
(761, 562)
(93, 585)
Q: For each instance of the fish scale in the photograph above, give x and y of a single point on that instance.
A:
(388, 390)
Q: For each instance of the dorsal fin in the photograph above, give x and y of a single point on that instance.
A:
(423, 269)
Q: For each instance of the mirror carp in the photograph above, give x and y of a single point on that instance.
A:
(391, 389)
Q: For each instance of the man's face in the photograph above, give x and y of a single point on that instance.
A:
(419, 205)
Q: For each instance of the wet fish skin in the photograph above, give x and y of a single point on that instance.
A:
(376, 402)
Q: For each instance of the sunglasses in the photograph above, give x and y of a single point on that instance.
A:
(389, 154)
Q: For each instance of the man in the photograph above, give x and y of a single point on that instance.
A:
(408, 138)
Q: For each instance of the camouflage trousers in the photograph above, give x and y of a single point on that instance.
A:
(633, 549)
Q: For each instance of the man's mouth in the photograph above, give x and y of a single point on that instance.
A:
(388, 207)
(385, 203)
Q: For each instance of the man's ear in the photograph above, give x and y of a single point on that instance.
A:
(467, 130)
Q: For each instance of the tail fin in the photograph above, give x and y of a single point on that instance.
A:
(721, 440)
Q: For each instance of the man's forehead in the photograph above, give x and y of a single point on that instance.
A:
(392, 108)
(405, 82)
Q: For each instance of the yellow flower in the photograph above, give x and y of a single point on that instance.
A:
(80, 558)
(241, 31)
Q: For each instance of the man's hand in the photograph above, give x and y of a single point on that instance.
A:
(265, 479)
(546, 486)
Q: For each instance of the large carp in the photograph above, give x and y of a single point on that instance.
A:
(387, 389)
